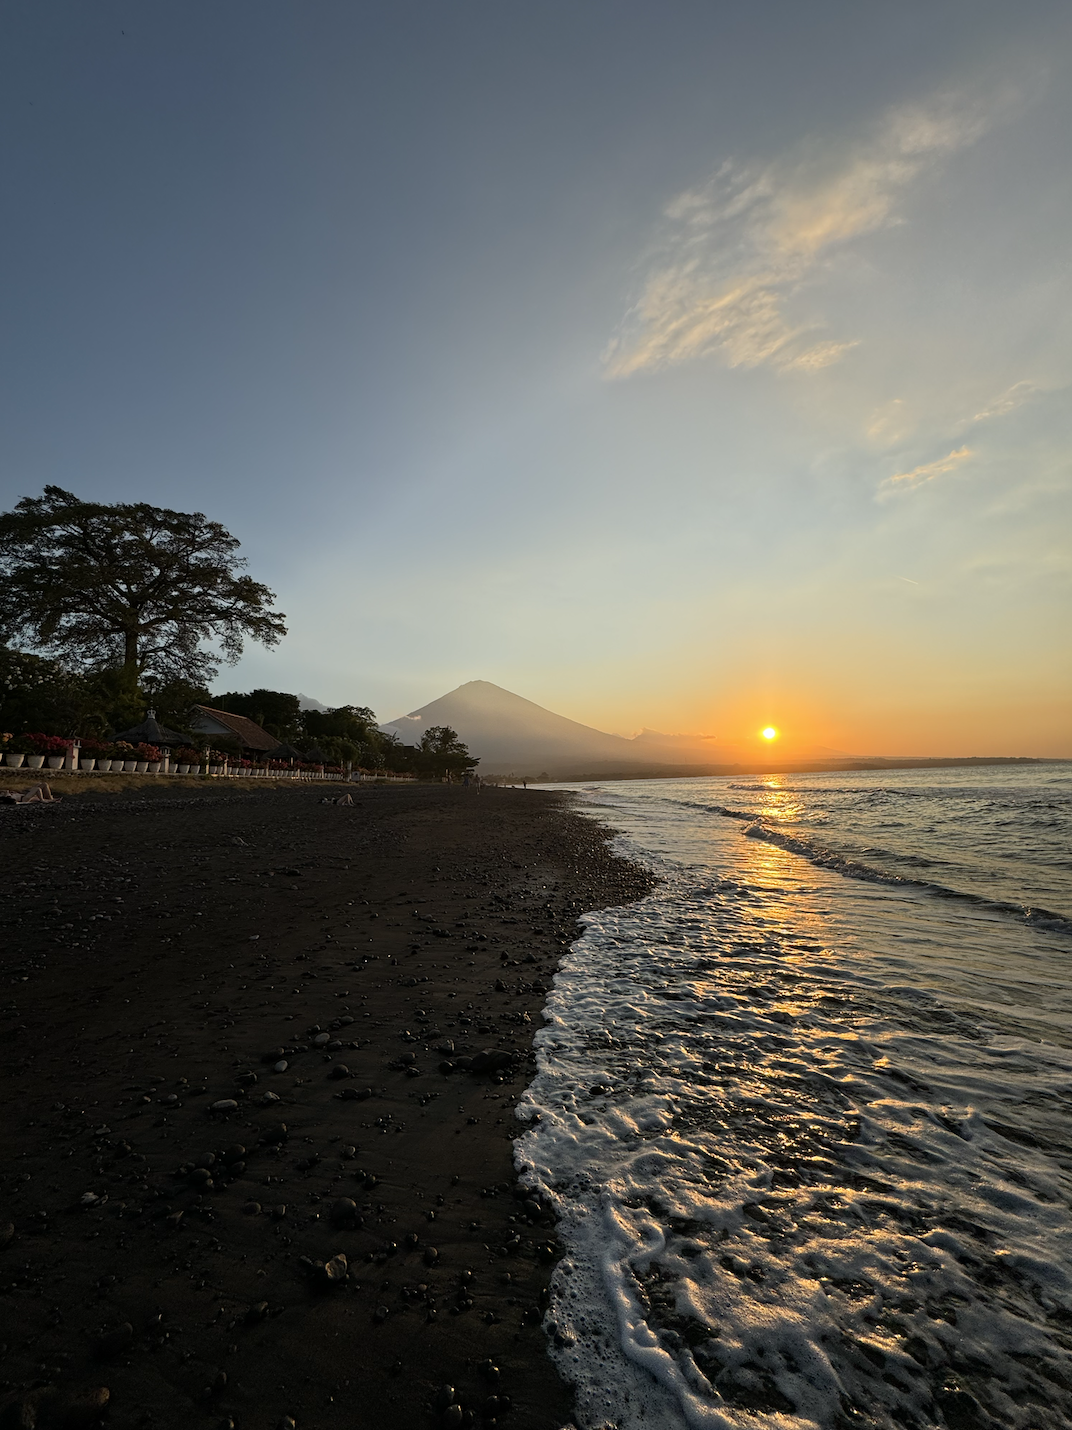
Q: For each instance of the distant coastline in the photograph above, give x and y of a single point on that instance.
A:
(785, 767)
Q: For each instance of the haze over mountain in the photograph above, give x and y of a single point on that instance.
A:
(512, 735)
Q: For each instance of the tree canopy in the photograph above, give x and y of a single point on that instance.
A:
(441, 752)
(128, 586)
(274, 710)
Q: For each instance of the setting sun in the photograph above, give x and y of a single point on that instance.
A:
(769, 733)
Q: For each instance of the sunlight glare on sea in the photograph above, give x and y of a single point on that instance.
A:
(802, 1111)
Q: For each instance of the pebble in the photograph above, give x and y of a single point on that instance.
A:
(252, 1209)
(20, 1415)
(224, 1104)
(281, 1066)
(380, 1315)
(269, 1098)
(336, 1270)
(339, 1071)
(87, 1408)
(344, 1212)
(431, 1256)
(235, 1153)
(257, 1312)
(115, 1341)
(321, 1040)
(7, 1232)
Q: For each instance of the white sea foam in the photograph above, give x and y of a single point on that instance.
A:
(804, 1177)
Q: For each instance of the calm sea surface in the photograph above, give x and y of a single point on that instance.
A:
(804, 1112)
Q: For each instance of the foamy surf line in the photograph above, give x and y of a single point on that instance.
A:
(790, 1196)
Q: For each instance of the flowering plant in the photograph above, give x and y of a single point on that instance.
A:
(185, 756)
(41, 744)
(148, 752)
(91, 748)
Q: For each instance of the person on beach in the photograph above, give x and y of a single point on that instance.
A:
(40, 794)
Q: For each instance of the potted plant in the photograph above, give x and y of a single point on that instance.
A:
(184, 761)
(15, 751)
(90, 754)
(127, 754)
(149, 759)
(45, 747)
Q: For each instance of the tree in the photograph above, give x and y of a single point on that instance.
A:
(274, 710)
(40, 694)
(129, 586)
(441, 752)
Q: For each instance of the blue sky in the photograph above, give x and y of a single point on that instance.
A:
(693, 366)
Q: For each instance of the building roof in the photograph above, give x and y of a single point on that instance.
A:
(221, 722)
(151, 732)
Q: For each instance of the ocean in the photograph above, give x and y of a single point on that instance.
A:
(803, 1112)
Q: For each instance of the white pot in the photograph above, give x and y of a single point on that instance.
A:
(141, 766)
(130, 766)
(104, 766)
(15, 761)
(55, 762)
(87, 764)
(182, 769)
(34, 762)
(154, 767)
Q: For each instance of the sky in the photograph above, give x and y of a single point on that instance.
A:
(689, 366)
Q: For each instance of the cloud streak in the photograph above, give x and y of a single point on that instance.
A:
(738, 250)
(1009, 401)
(905, 481)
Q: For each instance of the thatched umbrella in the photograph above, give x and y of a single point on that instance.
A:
(151, 732)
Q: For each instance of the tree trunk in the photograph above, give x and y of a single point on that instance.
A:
(130, 659)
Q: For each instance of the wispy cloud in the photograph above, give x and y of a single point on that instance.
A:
(927, 473)
(1016, 396)
(736, 251)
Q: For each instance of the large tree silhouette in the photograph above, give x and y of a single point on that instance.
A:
(130, 586)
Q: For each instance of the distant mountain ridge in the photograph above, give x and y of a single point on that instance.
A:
(512, 735)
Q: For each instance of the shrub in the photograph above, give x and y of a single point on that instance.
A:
(41, 744)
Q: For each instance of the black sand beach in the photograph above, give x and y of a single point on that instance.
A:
(341, 1238)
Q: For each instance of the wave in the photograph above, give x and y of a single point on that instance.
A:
(855, 869)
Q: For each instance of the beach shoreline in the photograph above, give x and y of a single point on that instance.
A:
(165, 954)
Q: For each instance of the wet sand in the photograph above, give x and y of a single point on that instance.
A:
(241, 1181)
